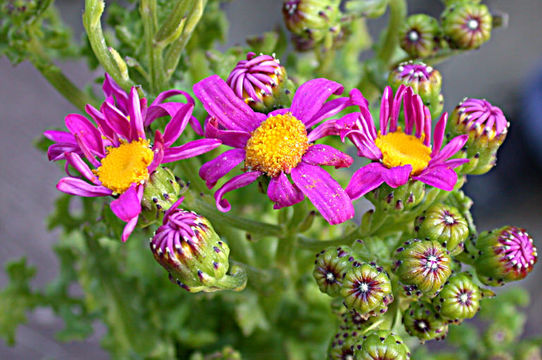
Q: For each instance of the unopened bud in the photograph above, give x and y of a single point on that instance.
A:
(444, 224)
(330, 267)
(487, 128)
(421, 320)
(424, 265)
(342, 344)
(505, 254)
(367, 289)
(381, 344)
(419, 35)
(397, 199)
(187, 246)
(261, 82)
(161, 191)
(459, 299)
(466, 25)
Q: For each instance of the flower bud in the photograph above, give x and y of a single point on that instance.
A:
(330, 267)
(401, 198)
(353, 320)
(261, 82)
(466, 25)
(444, 224)
(311, 21)
(367, 289)
(529, 351)
(425, 265)
(342, 345)
(187, 246)
(505, 254)
(459, 299)
(161, 191)
(421, 320)
(419, 35)
(487, 128)
(381, 345)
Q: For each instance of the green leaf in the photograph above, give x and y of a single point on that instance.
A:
(249, 315)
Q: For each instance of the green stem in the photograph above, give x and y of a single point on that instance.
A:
(54, 75)
(93, 27)
(199, 205)
(189, 172)
(390, 41)
(313, 244)
(148, 13)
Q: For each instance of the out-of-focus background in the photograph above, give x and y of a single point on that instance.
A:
(507, 71)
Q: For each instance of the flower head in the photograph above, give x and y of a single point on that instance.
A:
(117, 148)
(259, 81)
(277, 145)
(399, 154)
(187, 246)
(506, 254)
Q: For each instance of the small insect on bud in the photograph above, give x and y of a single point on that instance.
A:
(505, 254)
(444, 224)
(381, 345)
(466, 25)
(421, 320)
(187, 246)
(261, 82)
(424, 264)
(459, 299)
(419, 35)
(487, 128)
(367, 289)
(330, 267)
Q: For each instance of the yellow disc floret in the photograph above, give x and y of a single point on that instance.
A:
(278, 144)
(125, 165)
(400, 149)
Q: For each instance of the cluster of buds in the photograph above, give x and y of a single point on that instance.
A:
(187, 246)
(261, 82)
(463, 25)
(424, 80)
(486, 126)
(397, 199)
(364, 287)
(312, 22)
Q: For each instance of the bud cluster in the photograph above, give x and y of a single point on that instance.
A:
(464, 25)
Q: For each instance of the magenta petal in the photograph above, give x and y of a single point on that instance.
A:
(450, 149)
(116, 120)
(453, 163)
(128, 205)
(75, 160)
(169, 93)
(88, 133)
(57, 152)
(438, 135)
(129, 228)
(213, 170)
(237, 139)
(60, 136)
(311, 96)
(283, 193)
(365, 179)
(326, 128)
(441, 177)
(385, 109)
(177, 124)
(136, 119)
(328, 110)
(324, 192)
(158, 150)
(221, 103)
(235, 183)
(112, 89)
(190, 149)
(397, 176)
(74, 186)
(320, 154)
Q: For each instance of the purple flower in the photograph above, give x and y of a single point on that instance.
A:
(117, 148)
(399, 155)
(277, 144)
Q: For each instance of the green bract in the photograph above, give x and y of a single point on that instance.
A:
(381, 345)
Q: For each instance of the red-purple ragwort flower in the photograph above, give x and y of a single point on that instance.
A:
(118, 150)
(399, 154)
(277, 144)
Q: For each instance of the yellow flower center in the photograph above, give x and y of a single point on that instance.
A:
(125, 165)
(399, 149)
(278, 144)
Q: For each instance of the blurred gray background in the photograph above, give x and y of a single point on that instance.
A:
(499, 71)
